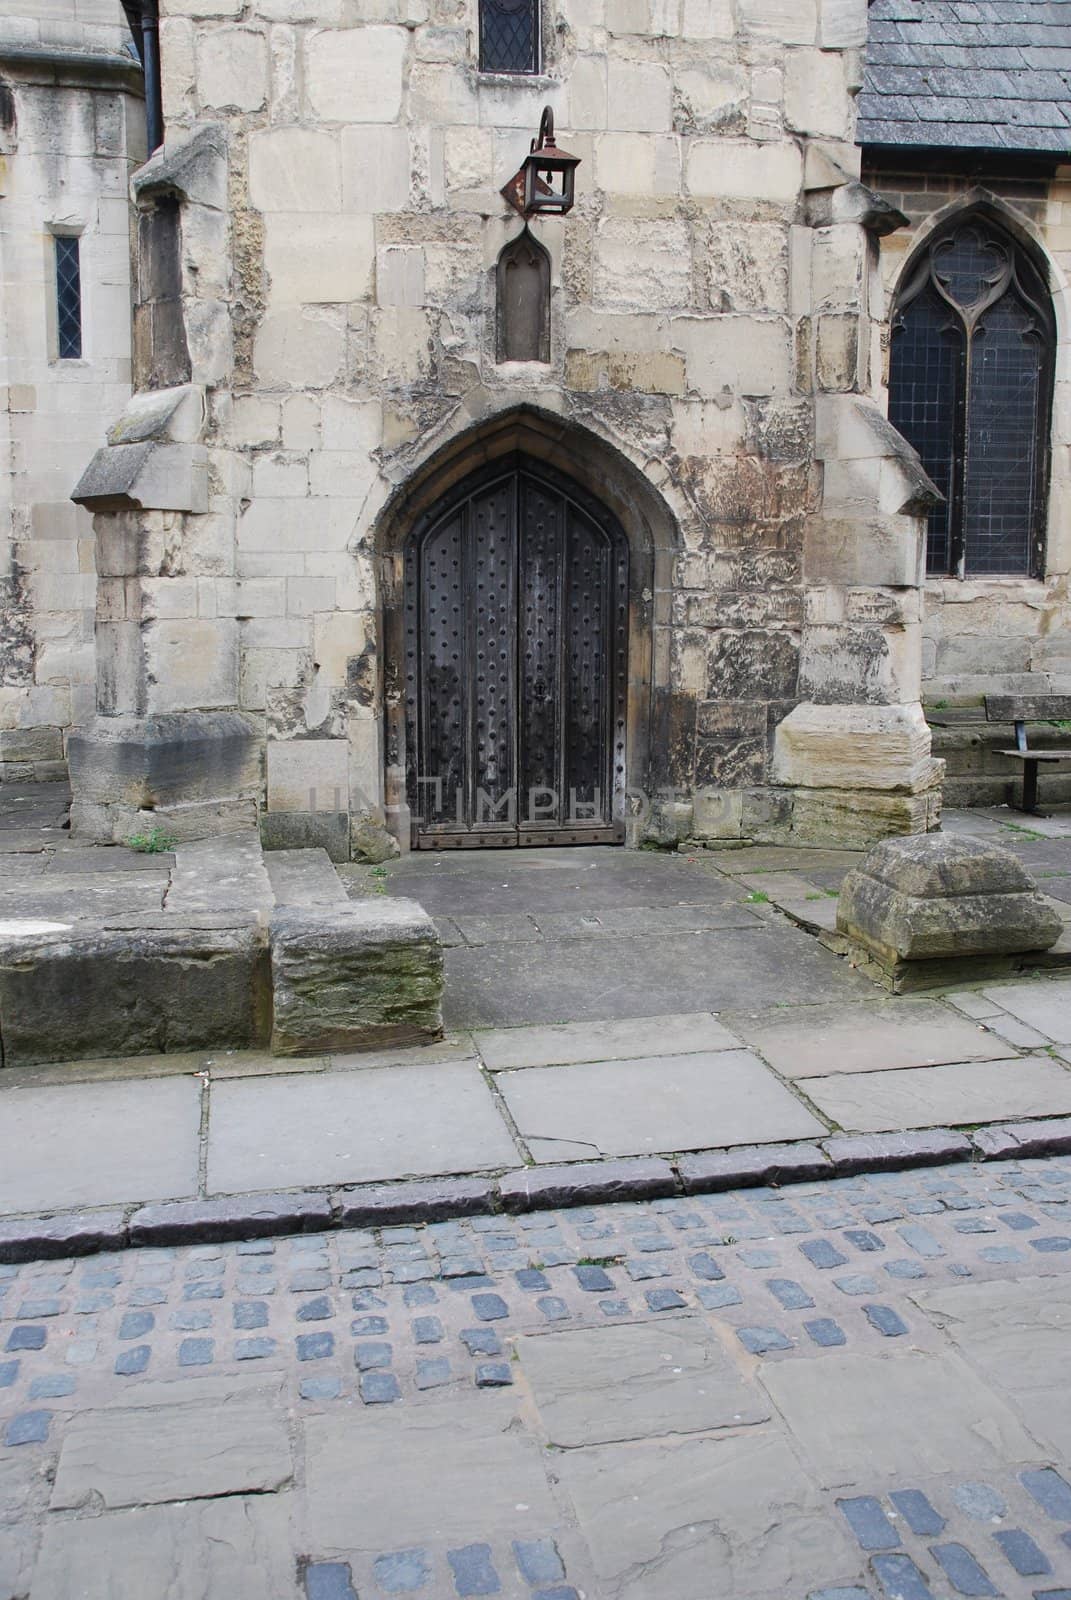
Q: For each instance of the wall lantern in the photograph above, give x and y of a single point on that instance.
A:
(544, 184)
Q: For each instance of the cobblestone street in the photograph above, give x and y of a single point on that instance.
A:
(837, 1390)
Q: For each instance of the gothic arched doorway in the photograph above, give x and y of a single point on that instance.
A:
(516, 616)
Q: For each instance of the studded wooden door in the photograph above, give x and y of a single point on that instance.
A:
(516, 625)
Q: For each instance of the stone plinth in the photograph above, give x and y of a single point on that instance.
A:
(857, 772)
(144, 985)
(355, 977)
(923, 911)
(188, 774)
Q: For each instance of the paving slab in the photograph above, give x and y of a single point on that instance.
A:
(147, 1455)
(303, 878)
(466, 1470)
(106, 858)
(1017, 1336)
(639, 920)
(354, 1127)
(511, 928)
(237, 1548)
(876, 1037)
(654, 1104)
(76, 896)
(600, 1385)
(693, 1518)
(493, 883)
(903, 1416)
(94, 1144)
(958, 1094)
(779, 858)
(588, 979)
(1043, 1004)
(504, 1048)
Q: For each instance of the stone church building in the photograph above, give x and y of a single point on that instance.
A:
(426, 524)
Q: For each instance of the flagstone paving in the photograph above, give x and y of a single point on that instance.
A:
(603, 1004)
(846, 1389)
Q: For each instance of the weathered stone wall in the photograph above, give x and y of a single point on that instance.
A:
(1000, 635)
(70, 133)
(710, 332)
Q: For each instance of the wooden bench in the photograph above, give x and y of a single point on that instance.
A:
(1019, 709)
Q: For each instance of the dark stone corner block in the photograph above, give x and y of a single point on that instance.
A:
(587, 1183)
(876, 1152)
(1013, 1139)
(250, 1216)
(77, 1233)
(374, 1205)
(711, 1170)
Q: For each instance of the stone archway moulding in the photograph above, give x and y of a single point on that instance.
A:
(653, 537)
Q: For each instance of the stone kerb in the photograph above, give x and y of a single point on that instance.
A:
(921, 912)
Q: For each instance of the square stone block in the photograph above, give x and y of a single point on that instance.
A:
(149, 1455)
(308, 775)
(941, 898)
(443, 1469)
(67, 993)
(697, 1517)
(237, 1546)
(895, 1419)
(355, 977)
(307, 830)
(597, 1385)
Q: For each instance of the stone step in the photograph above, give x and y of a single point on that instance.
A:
(225, 873)
(133, 963)
(303, 878)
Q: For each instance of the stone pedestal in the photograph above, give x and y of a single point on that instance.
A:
(857, 773)
(922, 912)
(355, 977)
(186, 774)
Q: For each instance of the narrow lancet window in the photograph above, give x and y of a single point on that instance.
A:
(68, 297)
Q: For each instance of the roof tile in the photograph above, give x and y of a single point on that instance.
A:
(968, 74)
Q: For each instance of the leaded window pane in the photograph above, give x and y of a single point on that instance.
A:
(509, 35)
(1001, 473)
(925, 373)
(970, 386)
(68, 298)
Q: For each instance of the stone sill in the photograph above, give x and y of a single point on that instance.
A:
(1027, 590)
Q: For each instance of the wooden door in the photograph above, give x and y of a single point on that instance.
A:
(516, 620)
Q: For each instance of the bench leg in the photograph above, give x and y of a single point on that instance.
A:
(1030, 787)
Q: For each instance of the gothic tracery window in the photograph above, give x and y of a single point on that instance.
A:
(509, 36)
(970, 386)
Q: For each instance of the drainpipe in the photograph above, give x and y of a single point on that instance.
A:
(150, 61)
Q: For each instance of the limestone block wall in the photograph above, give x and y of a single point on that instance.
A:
(1000, 635)
(338, 278)
(70, 121)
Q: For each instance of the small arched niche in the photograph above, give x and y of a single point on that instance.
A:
(523, 297)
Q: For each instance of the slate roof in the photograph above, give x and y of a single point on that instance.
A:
(968, 75)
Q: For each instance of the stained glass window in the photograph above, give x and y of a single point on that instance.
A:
(509, 35)
(68, 298)
(970, 386)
